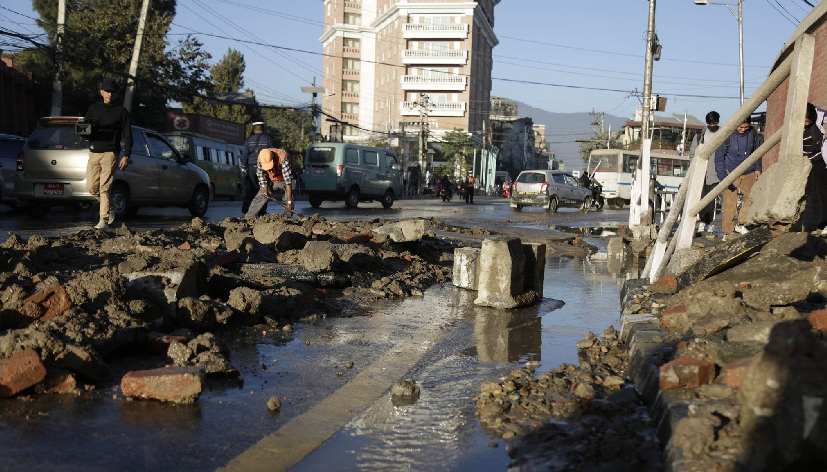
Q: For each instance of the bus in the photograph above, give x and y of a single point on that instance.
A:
(218, 158)
(616, 168)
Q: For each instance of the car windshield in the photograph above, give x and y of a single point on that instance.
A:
(10, 148)
(57, 137)
(321, 155)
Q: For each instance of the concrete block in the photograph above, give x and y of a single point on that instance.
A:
(501, 272)
(466, 266)
(535, 267)
(404, 231)
(171, 286)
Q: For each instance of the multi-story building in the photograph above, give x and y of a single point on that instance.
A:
(381, 56)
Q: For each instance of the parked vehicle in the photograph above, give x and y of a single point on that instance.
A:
(51, 170)
(615, 168)
(445, 194)
(597, 196)
(10, 147)
(353, 173)
(218, 158)
(549, 189)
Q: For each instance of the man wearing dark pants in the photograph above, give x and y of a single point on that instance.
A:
(110, 124)
(249, 163)
(274, 172)
(469, 189)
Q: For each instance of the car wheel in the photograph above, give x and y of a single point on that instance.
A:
(352, 199)
(315, 201)
(598, 204)
(82, 206)
(616, 203)
(586, 205)
(518, 208)
(37, 210)
(387, 199)
(200, 202)
(553, 204)
(119, 200)
(132, 210)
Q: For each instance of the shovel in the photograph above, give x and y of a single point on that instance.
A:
(274, 199)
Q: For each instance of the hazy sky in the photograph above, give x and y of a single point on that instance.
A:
(573, 32)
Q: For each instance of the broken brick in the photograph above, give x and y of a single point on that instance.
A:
(735, 370)
(168, 384)
(224, 259)
(185, 246)
(160, 344)
(818, 319)
(674, 317)
(83, 361)
(361, 238)
(19, 372)
(666, 285)
(46, 304)
(57, 381)
(407, 257)
(683, 372)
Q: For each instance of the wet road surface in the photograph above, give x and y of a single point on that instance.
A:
(487, 211)
(440, 340)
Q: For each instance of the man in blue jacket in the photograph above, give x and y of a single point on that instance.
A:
(730, 155)
(249, 163)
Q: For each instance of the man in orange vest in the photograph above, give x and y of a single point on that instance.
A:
(274, 172)
(469, 189)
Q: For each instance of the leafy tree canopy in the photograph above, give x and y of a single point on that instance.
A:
(290, 130)
(600, 141)
(227, 76)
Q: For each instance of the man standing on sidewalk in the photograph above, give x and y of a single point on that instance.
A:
(249, 163)
(110, 124)
(743, 142)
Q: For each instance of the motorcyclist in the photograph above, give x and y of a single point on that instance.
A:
(445, 184)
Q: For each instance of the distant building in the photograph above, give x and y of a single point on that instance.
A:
(666, 132)
(503, 109)
(20, 104)
(517, 143)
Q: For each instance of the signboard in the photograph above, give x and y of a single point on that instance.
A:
(231, 132)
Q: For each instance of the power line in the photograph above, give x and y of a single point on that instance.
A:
(780, 13)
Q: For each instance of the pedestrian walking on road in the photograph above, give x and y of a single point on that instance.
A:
(707, 215)
(274, 172)
(110, 125)
(469, 188)
(743, 142)
(814, 215)
(249, 163)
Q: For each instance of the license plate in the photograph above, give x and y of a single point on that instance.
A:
(320, 170)
(52, 189)
(528, 193)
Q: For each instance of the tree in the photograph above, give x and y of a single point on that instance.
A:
(226, 77)
(290, 130)
(458, 150)
(100, 35)
(599, 141)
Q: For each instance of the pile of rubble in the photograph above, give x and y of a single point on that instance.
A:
(585, 417)
(67, 304)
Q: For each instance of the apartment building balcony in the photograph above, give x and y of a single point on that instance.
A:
(451, 83)
(435, 109)
(435, 31)
(351, 52)
(350, 96)
(448, 57)
(352, 118)
(355, 7)
(350, 73)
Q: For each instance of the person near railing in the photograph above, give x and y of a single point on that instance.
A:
(814, 215)
(743, 142)
(708, 213)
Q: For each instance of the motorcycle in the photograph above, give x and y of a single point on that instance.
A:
(445, 194)
(597, 196)
(506, 192)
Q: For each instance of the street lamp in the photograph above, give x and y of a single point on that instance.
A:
(740, 17)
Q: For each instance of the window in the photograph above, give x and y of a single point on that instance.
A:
(438, 97)
(558, 179)
(370, 158)
(438, 20)
(351, 131)
(139, 144)
(159, 149)
(434, 74)
(603, 163)
(352, 43)
(391, 162)
(350, 107)
(351, 64)
(629, 163)
(435, 47)
(350, 85)
(353, 19)
(321, 155)
(57, 137)
(200, 153)
(571, 181)
(352, 157)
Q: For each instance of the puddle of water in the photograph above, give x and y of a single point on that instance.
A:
(440, 430)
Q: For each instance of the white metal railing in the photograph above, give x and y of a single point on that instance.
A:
(431, 27)
(435, 108)
(419, 79)
(798, 68)
(451, 53)
(350, 50)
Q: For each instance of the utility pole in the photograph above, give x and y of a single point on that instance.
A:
(639, 213)
(136, 55)
(647, 76)
(423, 137)
(314, 113)
(683, 134)
(57, 85)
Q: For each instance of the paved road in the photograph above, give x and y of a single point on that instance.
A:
(489, 212)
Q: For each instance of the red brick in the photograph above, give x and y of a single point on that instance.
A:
(185, 246)
(169, 384)
(576, 241)
(19, 372)
(358, 238)
(667, 282)
(83, 361)
(818, 319)
(734, 371)
(50, 302)
(224, 259)
(683, 372)
(160, 344)
(58, 381)
(407, 257)
(674, 317)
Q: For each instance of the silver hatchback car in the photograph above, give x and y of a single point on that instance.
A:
(549, 189)
(52, 171)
